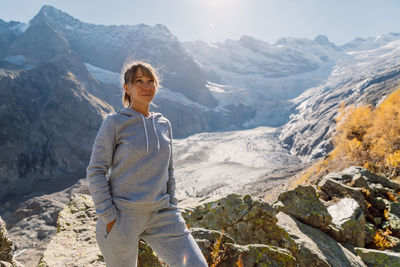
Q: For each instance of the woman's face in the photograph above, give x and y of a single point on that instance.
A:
(141, 90)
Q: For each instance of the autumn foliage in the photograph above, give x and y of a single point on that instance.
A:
(370, 137)
(366, 136)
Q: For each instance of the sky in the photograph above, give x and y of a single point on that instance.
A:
(217, 20)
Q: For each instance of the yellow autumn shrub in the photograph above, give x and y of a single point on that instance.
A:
(366, 136)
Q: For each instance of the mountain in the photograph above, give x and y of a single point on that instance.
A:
(365, 78)
(265, 76)
(52, 105)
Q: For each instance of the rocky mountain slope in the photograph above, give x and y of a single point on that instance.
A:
(366, 78)
(45, 88)
(350, 219)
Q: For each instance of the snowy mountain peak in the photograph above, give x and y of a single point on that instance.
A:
(54, 15)
(371, 42)
(323, 40)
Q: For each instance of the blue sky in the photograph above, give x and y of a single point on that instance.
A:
(218, 20)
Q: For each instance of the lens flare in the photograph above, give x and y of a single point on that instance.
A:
(184, 260)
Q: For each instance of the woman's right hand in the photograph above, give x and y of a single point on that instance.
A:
(109, 226)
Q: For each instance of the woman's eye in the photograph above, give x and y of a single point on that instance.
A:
(139, 81)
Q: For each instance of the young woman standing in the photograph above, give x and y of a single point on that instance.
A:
(130, 177)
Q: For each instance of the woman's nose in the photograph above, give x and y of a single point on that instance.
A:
(147, 86)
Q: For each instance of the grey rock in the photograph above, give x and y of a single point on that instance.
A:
(304, 204)
(380, 190)
(377, 258)
(315, 248)
(359, 181)
(380, 203)
(336, 189)
(348, 222)
(370, 231)
(245, 219)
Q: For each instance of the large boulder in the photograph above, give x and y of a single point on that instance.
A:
(315, 248)
(348, 222)
(246, 220)
(334, 188)
(259, 255)
(379, 258)
(370, 177)
(304, 204)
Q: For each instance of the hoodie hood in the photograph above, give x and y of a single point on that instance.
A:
(136, 114)
(131, 112)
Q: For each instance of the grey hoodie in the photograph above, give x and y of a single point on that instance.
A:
(131, 164)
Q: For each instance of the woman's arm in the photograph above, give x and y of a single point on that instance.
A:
(100, 162)
(171, 180)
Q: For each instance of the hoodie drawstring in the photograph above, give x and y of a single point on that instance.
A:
(158, 140)
(147, 136)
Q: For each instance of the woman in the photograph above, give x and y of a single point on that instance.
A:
(133, 149)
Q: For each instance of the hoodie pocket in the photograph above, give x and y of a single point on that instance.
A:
(114, 228)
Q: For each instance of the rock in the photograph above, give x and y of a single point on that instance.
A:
(338, 176)
(33, 224)
(348, 222)
(304, 204)
(396, 241)
(380, 190)
(211, 235)
(315, 248)
(394, 218)
(6, 245)
(336, 189)
(256, 255)
(5, 264)
(75, 241)
(264, 255)
(359, 181)
(377, 258)
(371, 177)
(370, 232)
(322, 195)
(244, 219)
(6, 248)
(380, 203)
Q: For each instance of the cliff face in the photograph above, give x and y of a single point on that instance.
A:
(330, 226)
(44, 136)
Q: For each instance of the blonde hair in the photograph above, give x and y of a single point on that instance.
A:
(129, 75)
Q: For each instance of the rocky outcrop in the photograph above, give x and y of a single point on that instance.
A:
(6, 248)
(304, 204)
(244, 230)
(6, 245)
(377, 258)
(348, 225)
(316, 248)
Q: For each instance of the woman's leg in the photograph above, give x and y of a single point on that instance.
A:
(120, 246)
(168, 236)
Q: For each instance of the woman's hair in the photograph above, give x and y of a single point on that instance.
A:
(129, 75)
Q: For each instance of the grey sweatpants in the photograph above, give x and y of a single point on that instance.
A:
(164, 230)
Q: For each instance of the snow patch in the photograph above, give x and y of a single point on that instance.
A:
(104, 76)
(178, 97)
(20, 28)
